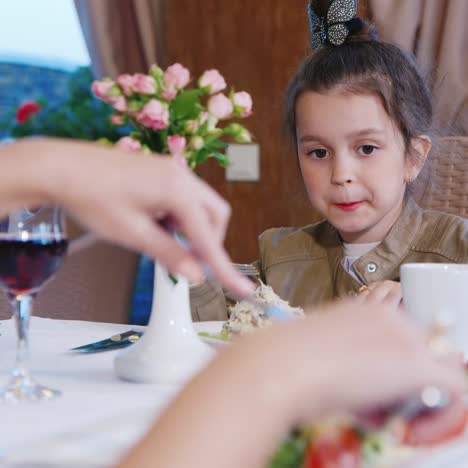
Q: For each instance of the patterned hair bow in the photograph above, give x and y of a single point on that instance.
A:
(333, 27)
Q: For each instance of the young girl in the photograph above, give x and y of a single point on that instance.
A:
(360, 116)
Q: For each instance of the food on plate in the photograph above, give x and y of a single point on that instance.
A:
(245, 317)
(344, 443)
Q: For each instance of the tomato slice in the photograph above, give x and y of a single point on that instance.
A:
(340, 448)
(434, 429)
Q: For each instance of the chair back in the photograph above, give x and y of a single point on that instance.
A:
(444, 184)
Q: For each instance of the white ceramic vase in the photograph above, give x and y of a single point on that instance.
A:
(170, 351)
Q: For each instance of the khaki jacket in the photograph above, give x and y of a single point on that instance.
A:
(305, 265)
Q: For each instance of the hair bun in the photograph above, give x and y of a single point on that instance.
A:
(335, 22)
(361, 31)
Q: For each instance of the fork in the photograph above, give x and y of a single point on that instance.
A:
(273, 311)
(246, 269)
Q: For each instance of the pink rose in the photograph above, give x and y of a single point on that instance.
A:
(213, 81)
(242, 103)
(169, 93)
(176, 77)
(144, 84)
(154, 115)
(116, 119)
(125, 81)
(129, 144)
(176, 144)
(119, 103)
(101, 89)
(220, 106)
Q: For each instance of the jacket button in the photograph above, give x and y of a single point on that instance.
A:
(371, 267)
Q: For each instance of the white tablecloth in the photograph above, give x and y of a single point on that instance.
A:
(97, 417)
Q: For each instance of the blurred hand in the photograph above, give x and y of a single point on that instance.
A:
(123, 198)
(353, 358)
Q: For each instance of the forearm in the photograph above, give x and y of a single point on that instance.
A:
(37, 171)
(233, 414)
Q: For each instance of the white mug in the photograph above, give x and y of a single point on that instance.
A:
(437, 293)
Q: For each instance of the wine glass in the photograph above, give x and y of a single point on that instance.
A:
(32, 247)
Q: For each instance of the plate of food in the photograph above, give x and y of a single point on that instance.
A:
(246, 317)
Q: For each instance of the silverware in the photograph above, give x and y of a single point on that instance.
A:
(275, 312)
(246, 269)
(118, 341)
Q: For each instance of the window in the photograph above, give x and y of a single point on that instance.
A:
(43, 33)
(41, 45)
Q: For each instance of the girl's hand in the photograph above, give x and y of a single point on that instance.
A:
(382, 292)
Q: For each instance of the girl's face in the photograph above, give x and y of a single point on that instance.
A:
(352, 159)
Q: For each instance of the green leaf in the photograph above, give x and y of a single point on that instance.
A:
(134, 105)
(290, 454)
(42, 102)
(215, 144)
(233, 129)
(186, 105)
(222, 159)
(201, 156)
(203, 129)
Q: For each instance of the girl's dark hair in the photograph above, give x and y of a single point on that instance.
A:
(362, 65)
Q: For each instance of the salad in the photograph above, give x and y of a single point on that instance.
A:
(345, 444)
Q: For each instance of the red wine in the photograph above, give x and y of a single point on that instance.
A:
(25, 265)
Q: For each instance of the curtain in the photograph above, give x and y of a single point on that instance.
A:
(436, 31)
(122, 36)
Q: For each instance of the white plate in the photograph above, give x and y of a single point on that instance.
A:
(212, 328)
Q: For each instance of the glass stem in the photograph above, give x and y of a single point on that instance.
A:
(22, 305)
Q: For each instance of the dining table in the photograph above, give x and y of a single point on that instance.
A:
(98, 417)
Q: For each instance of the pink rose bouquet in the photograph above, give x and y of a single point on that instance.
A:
(168, 115)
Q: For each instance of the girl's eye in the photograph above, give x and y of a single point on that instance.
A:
(319, 153)
(367, 149)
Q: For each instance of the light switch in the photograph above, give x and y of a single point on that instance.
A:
(245, 163)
